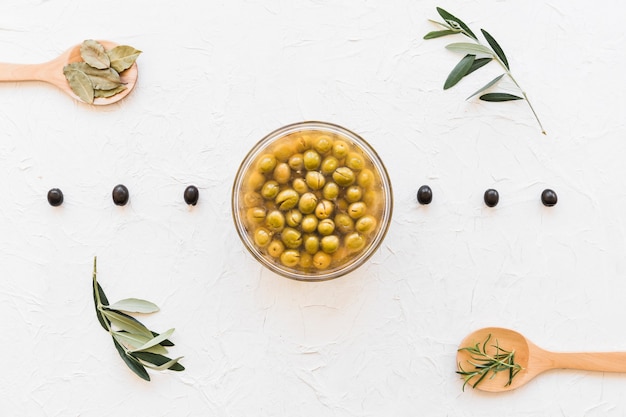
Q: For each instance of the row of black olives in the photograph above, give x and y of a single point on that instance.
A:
(491, 196)
(121, 195)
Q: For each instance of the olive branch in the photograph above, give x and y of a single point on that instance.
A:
(139, 347)
(476, 56)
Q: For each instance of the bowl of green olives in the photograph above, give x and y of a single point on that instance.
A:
(312, 201)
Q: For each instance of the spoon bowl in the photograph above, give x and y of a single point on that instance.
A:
(533, 359)
(52, 73)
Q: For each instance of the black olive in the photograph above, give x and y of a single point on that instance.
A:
(120, 195)
(55, 197)
(191, 195)
(424, 195)
(548, 198)
(491, 197)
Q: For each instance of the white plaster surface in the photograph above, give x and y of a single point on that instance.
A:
(217, 76)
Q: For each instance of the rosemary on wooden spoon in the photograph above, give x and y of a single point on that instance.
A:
(476, 56)
(484, 363)
(139, 347)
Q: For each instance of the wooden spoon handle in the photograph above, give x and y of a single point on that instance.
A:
(595, 361)
(24, 72)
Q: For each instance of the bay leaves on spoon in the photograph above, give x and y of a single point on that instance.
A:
(80, 83)
(94, 54)
(122, 57)
(102, 79)
(108, 93)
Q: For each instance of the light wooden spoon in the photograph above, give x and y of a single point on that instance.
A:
(52, 72)
(533, 359)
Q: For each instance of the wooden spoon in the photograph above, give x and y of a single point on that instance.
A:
(52, 72)
(533, 359)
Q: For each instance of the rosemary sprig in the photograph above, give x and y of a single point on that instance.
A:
(139, 347)
(484, 363)
(470, 63)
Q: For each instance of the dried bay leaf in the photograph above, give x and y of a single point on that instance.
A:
(80, 83)
(94, 54)
(102, 79)
(122, 57)
(108, 93)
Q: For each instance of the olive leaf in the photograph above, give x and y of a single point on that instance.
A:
(469, 63)
(93, 53)
(138, 346)
(135, 305)
(500, 97)
(80, 83)
(122, 57)
(459, 71)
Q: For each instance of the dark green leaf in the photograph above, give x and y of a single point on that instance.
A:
(103, 299)
(440, 33)
(158, 360)
(500, 97)
(132, 363)
(483, 88)
(459, 71)
(478, 63)
(455, 21)
(496, 48)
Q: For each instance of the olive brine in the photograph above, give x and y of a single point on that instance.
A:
(312, 200)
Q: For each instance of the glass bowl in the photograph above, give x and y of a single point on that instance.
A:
(312, 201)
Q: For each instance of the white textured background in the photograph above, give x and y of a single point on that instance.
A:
(215, 77)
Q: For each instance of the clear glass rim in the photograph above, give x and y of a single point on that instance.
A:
(385, 218)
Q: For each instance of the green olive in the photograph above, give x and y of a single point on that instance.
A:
(275, 248)
(330, 244)
(324, 209)
(344, 223)
(282, 173)
(292, 238)
(256, 180)
(296, 162)
(344, 176)
(252, 199)
(354, 241)
(270, 190)
(303, 143)
(306, 260)
(365, 224)
(262, 237)
(267, 163)
(357, 210)
(290, 258)
(340, 149)
(299, 184)
(282, 152)
(312, 160)
(365, 178)
(275, 220)
(355, 161)
(293, 218)
(371, 198)
(326, 227)
(330, 191)
(256, 214)
(315, 180)
(311, 244)
(309, 223)
(307, 203)
(329, 165)
(287, 199)
(323, 144)
(353, 194)
(342, 205)
(321, 260)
